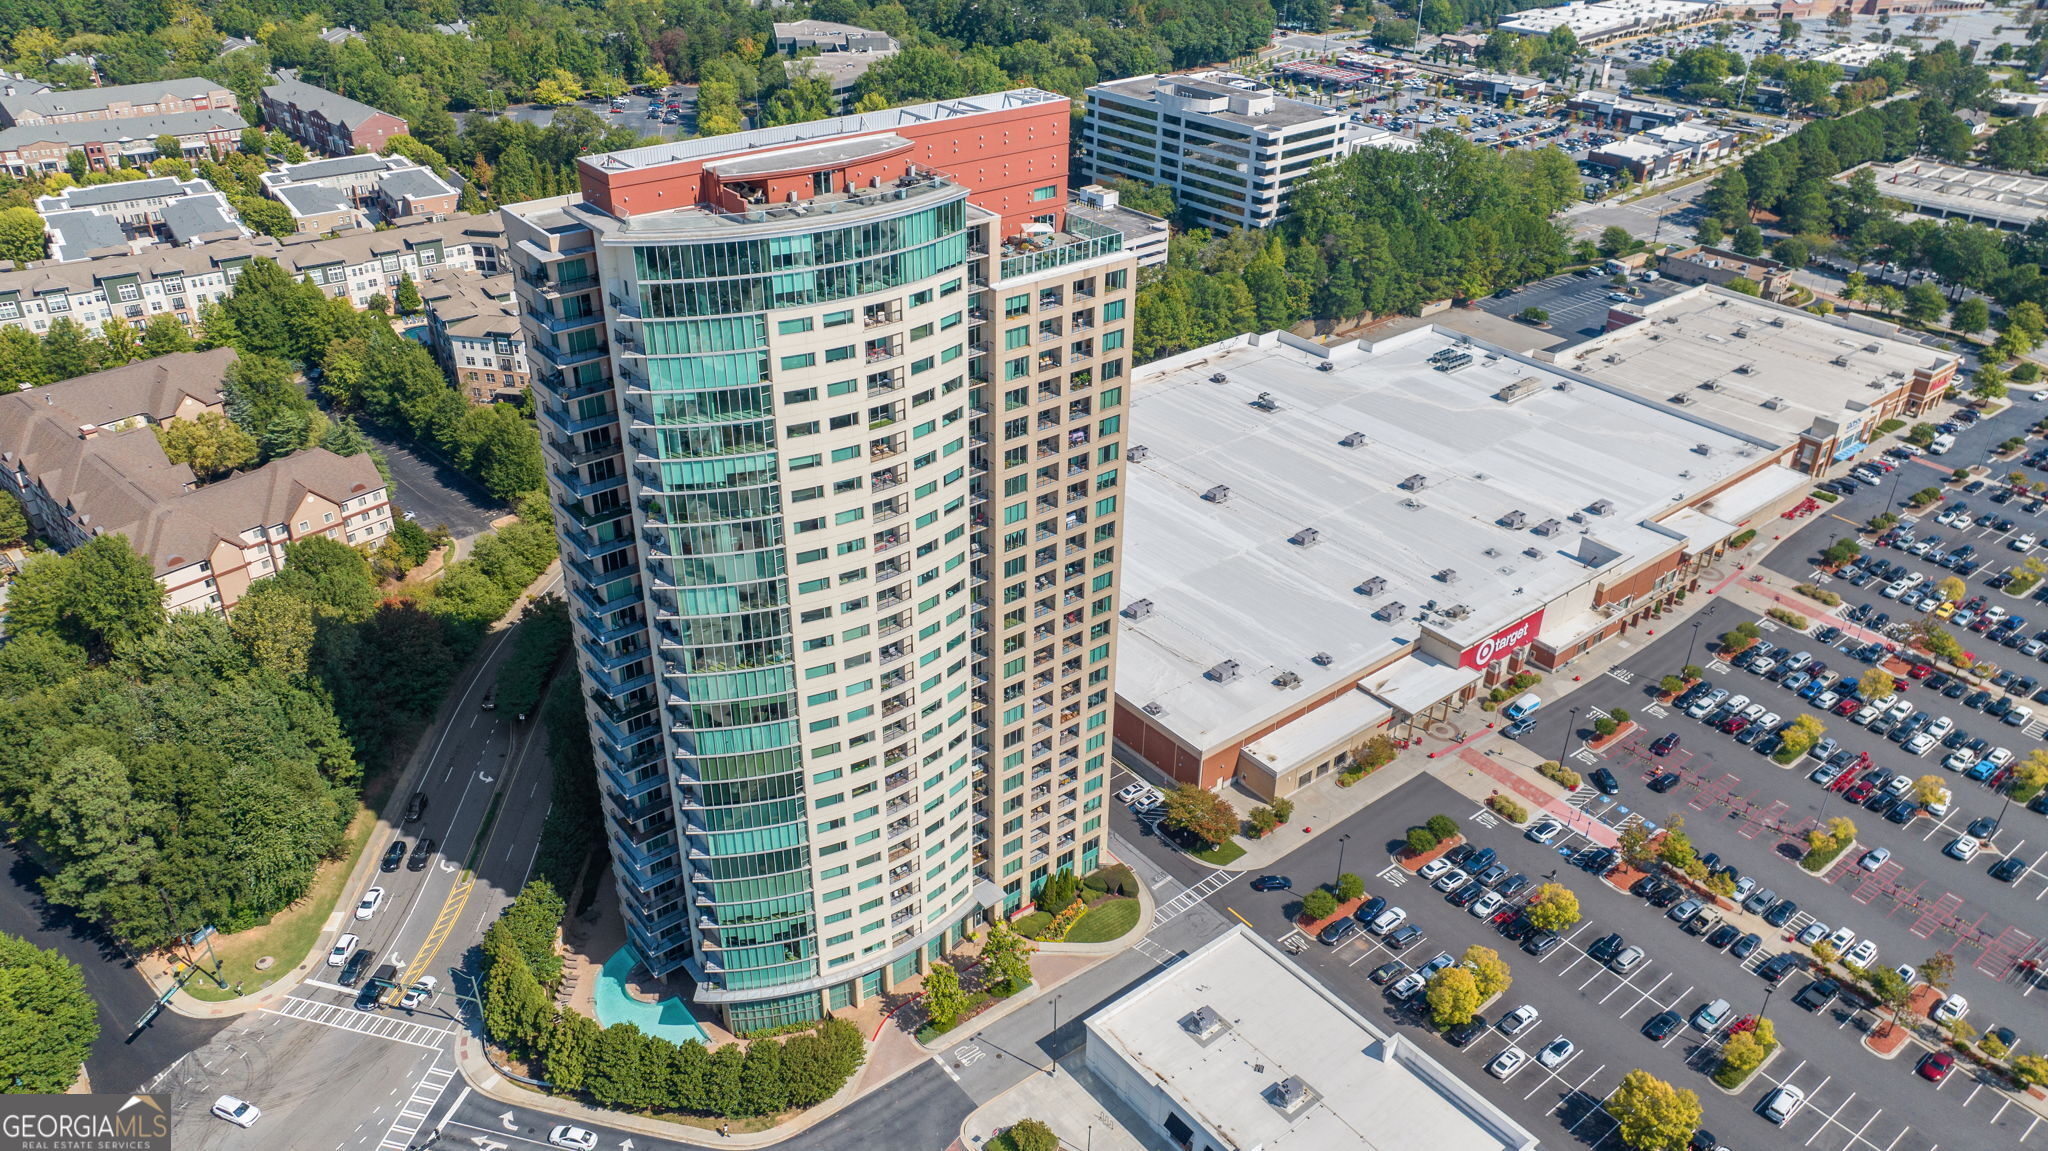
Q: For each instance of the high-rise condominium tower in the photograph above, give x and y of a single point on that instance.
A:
(833, 415)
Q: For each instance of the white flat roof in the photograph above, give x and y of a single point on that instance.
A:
(1708, 335)
(1225, 583)
(1931, 184)
(1337, 719)
(1367, 1091)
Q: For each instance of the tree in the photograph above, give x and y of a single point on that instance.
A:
(1318, 905)
(1453, 996)
(2029, 776)
(1553, 908)
(1006, 957)
(944, 999)
(1200, 813)
(1349, 887)
(1745, 285)
(407, 298)
(1842, 551)
(14, 525)
(1420, 840)
(49, 1020)
(210, 445)
(1634, 845)
(1025, 1135)
(1749, 240)
(1710, 232)
(1929, 790)
(1441, 826)
(21, 235)
(98, 596)
(1615, 240)
(1875, 683)
(1059, 891)
(1798, 739)
(1745, 1051)
(2032, 1069)
(1939, 970)
(1652, 1114)
(1488, 970)
(1950, 588)
(1970, 316)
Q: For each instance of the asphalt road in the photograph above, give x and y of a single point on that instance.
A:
(435, 493)
(123, 1058)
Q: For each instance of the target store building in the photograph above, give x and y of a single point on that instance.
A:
(1325, 543)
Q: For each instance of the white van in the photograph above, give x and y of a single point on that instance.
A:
(1942, 443)
(1522, 707)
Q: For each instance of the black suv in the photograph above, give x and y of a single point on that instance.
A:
(1467, 1031)
(1780, 965)
(1605, 781)
(393, 856)
(1606, 947)
(422, 854)
(416, 807)
(352, 971)
(1817, 994)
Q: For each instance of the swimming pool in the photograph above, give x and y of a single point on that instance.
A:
(669, 1019)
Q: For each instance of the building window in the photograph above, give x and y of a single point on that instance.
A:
(1049, 192)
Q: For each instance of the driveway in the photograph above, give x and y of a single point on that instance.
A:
(434, 492)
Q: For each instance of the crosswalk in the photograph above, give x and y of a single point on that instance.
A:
(413, 1114)
(376, 1024)
(1193, 895)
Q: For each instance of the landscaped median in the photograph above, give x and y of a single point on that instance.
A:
(1748, 1047)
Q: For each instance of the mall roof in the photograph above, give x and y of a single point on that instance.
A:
(1757, 368)
(1224, 1029)
(1958, 190)
(1219, 572)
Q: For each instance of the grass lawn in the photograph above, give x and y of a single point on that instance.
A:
(1221, 854)
(290, 934)
(1030, 925)
(1105, 922)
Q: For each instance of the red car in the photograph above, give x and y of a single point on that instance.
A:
(1849, 706)
(1863, 790)
(1920, 670)
(1934, 1065)
(1734, 725)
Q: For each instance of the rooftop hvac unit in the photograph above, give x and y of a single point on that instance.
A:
(1841, 361)
(1354, 440)
(1740, 333)
(1413, 504)
(1776, 403)
(1219, 378)
(1703, 449)
(1223, 672)
(1326, 366)
(1220, 494)
(1289, 1095)
(1447, 575)
(1286, 679)
(1548, 528)
(1710, 385)
(1414, 483)
(1137, 453)
(1777, 321)
(1513, 521)
(1373, 586)
(1745, 369)
(1873, 348)
(1203, 1022)
(1492, 551)
(1391, 612)
(1457, 611)
(1682, 399)
(1305, 538)
(1138, 609)
(1266, 402)
(1154, 708)
(1533, 553)
(1601, 507)
(1321, 659)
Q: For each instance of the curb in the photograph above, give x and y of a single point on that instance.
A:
(996, 1014)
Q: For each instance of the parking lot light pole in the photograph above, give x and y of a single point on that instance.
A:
(1568, 728)
(1341, 840)
(1693, 644)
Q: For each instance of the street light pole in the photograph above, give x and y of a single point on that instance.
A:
(1052, 1057)
(1341, 840)
(1693, 644)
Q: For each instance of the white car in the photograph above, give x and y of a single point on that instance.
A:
(1518, 1020)
(2024, 543)
(1841, 939)
(1487, 904)
(1920, 744)
(1434, 868)
(1452, 880)
(1999, 756)
(1884, 703)
(1770, 721)
(1507, 1063)
(1388, 920)
(1941, 727)
(1544, 832)
(1826, 700)
(1556, 1052)
(419, 993)
(1864, 715)
(372, 900)
(1130, 793)
(1627, 960)
(1862, 955)
(342, 946)
(1783, 1103)
(1739, 704)
(1895, 589)
(1950, 1009)
(574, 1138)
(1898, 711)
(1874, 858)
(1814, 933)
(239, 1112)
(1409, 986)
(1964, 847)
(1908, 973)
(1754, 713)
(1961, 759)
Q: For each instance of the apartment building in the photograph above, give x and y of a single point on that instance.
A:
(473, 326)
(40, 148)
(84, 461)
(833, 416)
(1229, 147)
(82, 222)
(20, 106)
(357, 191)
(180, 280)
(327, 122)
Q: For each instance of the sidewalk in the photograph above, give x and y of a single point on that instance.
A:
(1079, 1108)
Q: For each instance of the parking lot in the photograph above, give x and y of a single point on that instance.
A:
(1856, 1102)
(1577, 304)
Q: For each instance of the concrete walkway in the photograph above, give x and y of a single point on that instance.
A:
(1084, 1113)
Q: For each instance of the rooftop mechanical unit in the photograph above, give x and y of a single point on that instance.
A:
(1223, 672)
(1138, 609)
(1138, 452)
(1414, 483)
(1306, 538)
(1220, 494)
(1447, 575)
(1391, 612)
(1355, 440)
(1513, 521)
(1373, 586)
